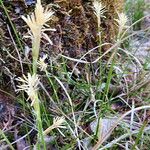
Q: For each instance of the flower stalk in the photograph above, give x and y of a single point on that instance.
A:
(99, 11)
(37, 24)
(35, 52)
(121, 24)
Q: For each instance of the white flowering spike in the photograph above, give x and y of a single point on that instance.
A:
(121, 21)
(41, 63)
(38, 19)
(29, 85)
(58, 123)
(99, 9)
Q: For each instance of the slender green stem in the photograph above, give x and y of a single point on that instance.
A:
(108, 79)
(34, 63)
(100, 52)
(139, 136)
(53, 86)
(6, 139)
(35, 51)
(36, 106)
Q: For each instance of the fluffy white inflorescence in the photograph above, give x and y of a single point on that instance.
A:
(29, 85)
(122, 21)
(58, 123)
(99, 9)
(38, 19)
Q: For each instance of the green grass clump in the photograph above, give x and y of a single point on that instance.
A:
(135, 9)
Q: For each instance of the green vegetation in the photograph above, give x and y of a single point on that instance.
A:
(135, 11)
(75, 76)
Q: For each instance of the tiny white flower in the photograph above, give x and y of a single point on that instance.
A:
(29, 85)
(41, 63)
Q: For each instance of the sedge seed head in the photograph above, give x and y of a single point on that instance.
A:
(38, 19)
(29, 85)
(58, 123)
(99, 9)
(122, 21)
(41, 63)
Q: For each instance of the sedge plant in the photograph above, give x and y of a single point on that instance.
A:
(99, 10)
(37, 24)
(122, 25)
